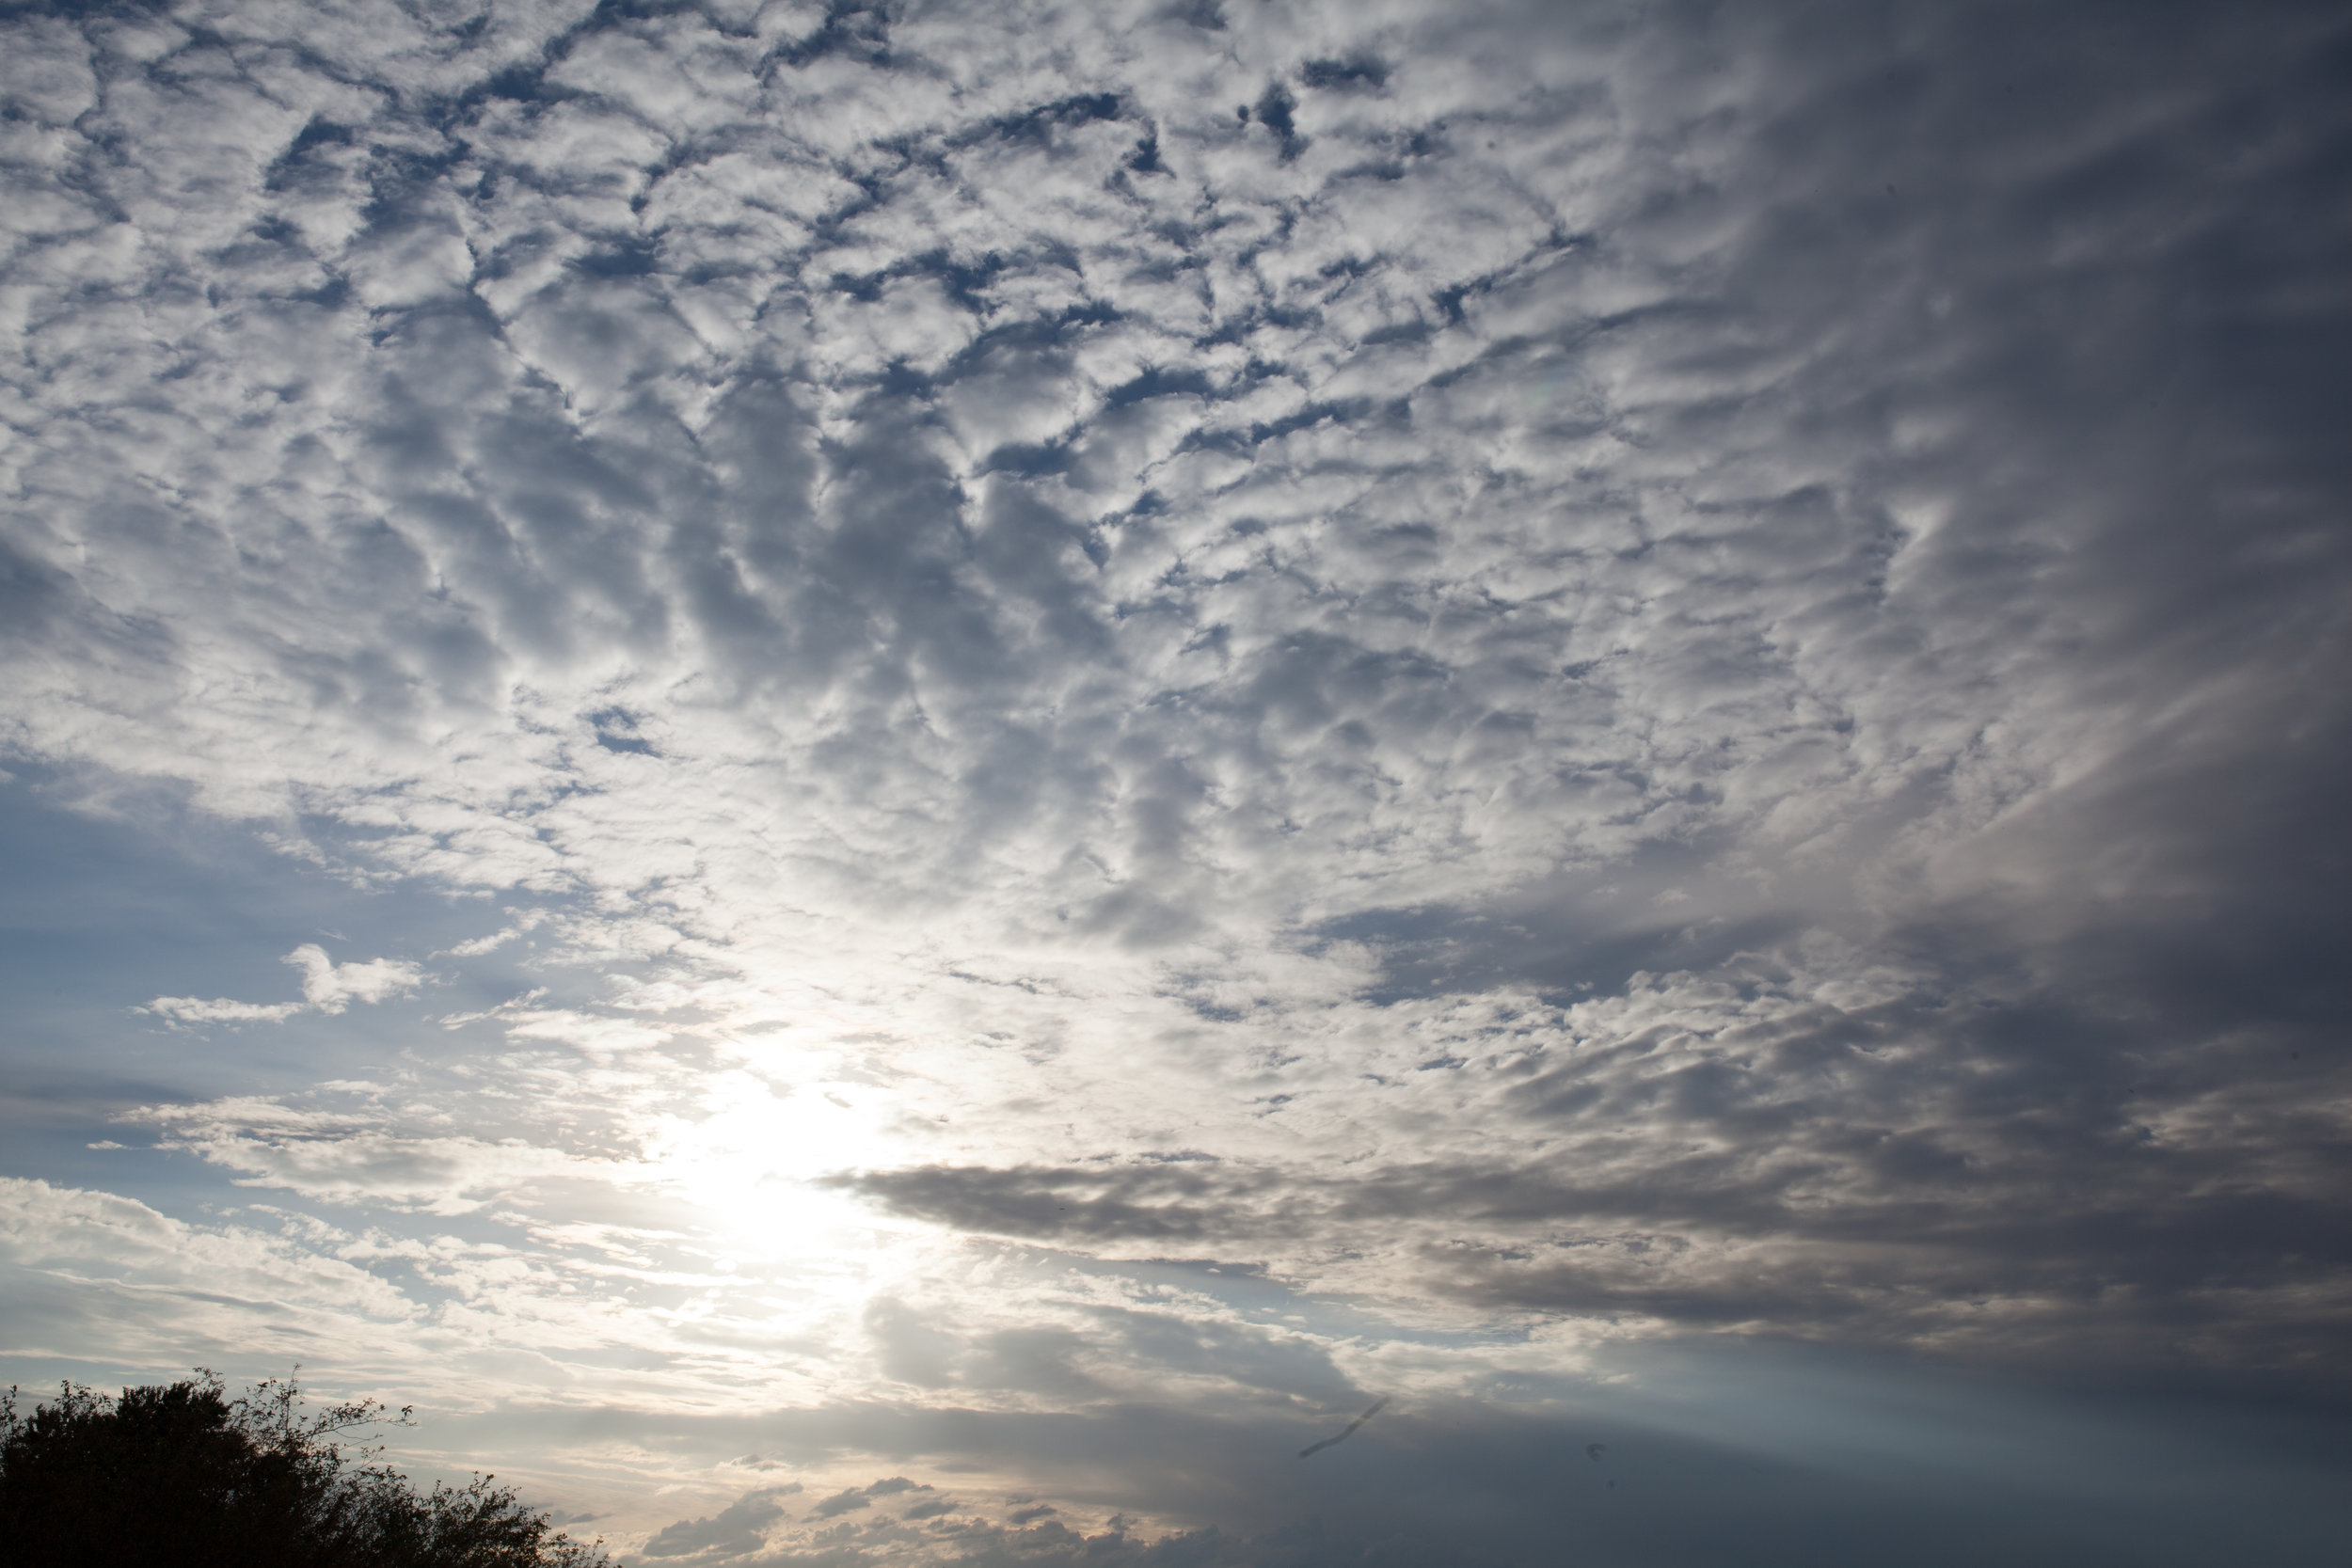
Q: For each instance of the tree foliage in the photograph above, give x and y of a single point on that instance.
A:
(183, 1475)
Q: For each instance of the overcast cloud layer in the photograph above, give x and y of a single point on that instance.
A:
(997, 721)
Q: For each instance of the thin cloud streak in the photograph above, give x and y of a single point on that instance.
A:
(1314, 1448)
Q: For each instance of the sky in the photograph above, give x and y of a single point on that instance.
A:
(903, 783)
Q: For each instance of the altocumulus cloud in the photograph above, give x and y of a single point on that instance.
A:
(1625, 670)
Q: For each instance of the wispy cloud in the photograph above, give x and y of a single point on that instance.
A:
(1412, 603)
(327, 986)
(1608, 667)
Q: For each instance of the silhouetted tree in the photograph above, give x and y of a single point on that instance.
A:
(183, 1475)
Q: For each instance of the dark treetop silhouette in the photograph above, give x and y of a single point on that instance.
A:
(183, 1475)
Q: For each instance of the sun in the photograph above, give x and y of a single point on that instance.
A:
(752, 1170)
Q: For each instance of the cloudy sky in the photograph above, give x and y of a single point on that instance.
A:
(896, 783)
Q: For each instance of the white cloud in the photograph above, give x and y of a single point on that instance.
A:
(1549, 694)
(332, 987)
(189, 1009)
(327, 986)
(525, 922)
(99, 1278)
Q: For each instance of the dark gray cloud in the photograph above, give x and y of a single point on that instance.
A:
(1345, 1432)
(731, 1531)
(856, 1498)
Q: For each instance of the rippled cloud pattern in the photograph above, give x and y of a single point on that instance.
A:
(1022, 739)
